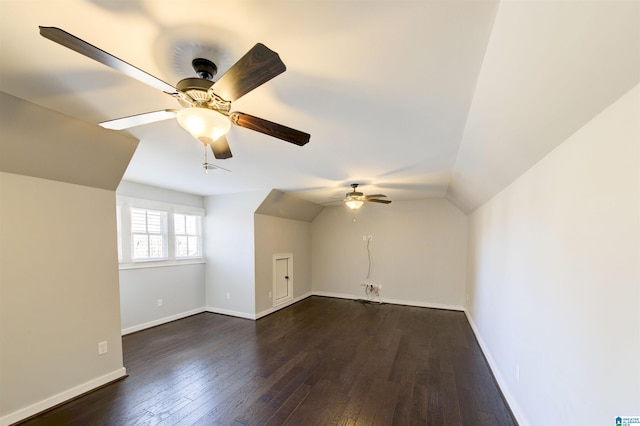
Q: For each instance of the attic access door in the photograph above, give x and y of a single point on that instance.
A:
(282, 278)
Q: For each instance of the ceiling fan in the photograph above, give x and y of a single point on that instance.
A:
(355, 199)
(206, 112)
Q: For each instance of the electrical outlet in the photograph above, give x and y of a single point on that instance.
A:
(270, 295)
(228, 296)
(160, 303)
(102, 348)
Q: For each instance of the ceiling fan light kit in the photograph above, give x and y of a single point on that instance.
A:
(206, 104)
(354, 204)
(355, 199)
(204, 124)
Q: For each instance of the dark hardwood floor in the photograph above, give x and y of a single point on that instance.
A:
(320, 361)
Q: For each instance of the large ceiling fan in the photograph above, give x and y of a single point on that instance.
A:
(355, 199)
(206, 112)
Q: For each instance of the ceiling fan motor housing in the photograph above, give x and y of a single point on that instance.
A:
(196, 92)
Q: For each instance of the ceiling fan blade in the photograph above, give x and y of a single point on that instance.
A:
(375, 200)
(74, 43)
(256, 67)
(138, 119)
(269, 128)
(220, 148)
(377, 196)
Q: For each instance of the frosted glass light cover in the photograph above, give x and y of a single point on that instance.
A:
(204, 124)
(354, 204)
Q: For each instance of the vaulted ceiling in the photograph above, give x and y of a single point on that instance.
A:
(413, 99)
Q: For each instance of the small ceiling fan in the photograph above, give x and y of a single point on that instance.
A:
(206, 112)
(355, 199)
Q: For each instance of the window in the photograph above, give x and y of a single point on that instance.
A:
(152, 233)
(187, 232)
(148, 234)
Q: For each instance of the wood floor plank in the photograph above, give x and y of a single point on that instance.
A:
(319, 361)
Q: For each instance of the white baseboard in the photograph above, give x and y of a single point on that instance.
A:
(160, 321)
(54, 400)
(282, 305)
(515, 409)
(245, 315)
(393, 301)
(336, 295)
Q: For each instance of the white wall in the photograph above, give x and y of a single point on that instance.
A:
(554, 277)
(58, 293)
(418, 252)
(229, 249)
(181, 287)
(275, 235)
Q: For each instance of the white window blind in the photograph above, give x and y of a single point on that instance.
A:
(148, 234)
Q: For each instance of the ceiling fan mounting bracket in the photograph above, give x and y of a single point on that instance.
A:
(204, 68)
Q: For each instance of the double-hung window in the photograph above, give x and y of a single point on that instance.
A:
(187, 230)
(148, 235)
(152, 233)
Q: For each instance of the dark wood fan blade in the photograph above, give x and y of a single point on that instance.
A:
(256, 67)
(221, 148)
(377, 196)
(74, 43)
(269, 128)
(375, 200)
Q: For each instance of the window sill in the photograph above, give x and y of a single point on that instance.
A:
(159, 263)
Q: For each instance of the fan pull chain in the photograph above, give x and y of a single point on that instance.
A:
(206, 163)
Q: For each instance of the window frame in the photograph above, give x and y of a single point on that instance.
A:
(126, 260)
(188, 235)
(147, 234)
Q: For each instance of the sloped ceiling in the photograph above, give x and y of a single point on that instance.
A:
(281, 204)
(414, 99)
(60, 148)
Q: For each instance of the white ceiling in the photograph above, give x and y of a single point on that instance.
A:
(414, 99)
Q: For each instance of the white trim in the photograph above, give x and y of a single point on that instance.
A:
(336, 295)
(511, 401)
(160, 263)
(282, 305)
(244, 315)
(160, 321)
(54, 400)
(285, 301)
(393, 301)
(424, 305)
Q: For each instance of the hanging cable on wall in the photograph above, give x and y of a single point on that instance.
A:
(368, 257)
(371, 291)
